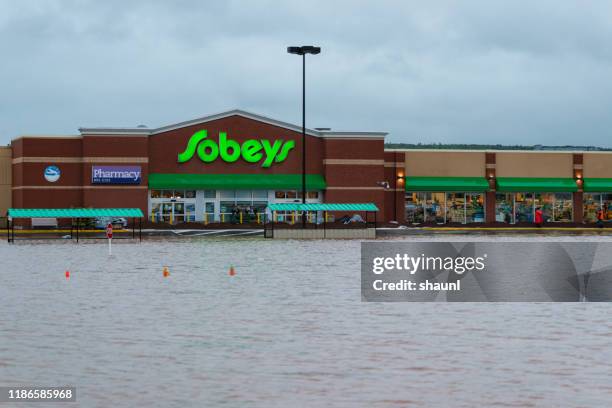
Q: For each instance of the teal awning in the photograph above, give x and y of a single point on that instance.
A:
(323, 207)
(74, 212)
(536, 184)
(235, 181)
(446, 184)
(598, 184)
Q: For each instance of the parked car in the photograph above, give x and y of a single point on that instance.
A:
(102, 222)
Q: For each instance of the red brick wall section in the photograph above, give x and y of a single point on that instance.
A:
(165, 147)
(116, 146)
(124, 147)
(355, 182)
(32, 174)
(395, 196)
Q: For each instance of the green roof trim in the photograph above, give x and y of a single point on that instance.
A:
(598, 184)
(235, 181)
(536, 184)
(74, 212)
(323, 207)
(446, 184)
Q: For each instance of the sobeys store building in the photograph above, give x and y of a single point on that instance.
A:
(204, 169)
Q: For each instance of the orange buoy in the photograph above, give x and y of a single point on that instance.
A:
(67, 274)
(232, 271)
(166, 272)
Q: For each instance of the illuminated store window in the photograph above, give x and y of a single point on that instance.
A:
(459, 207)
(593, 203)
(474, 207)
(415, 213)
(523, 207)
(504, 204)
(455, 207)
(563, 207)
(435, 205)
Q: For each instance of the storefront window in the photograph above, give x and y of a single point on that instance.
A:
(435, 205)
(556, 207)
(563, 207)
(228, 194)
(504, 204)
(474, 207)
(190, 194)
(415, 208)
(156, 193)
(190, 212)
(545, 202)
(455, 207)
(167, 193)
(444, 207)
(593, 203)
(244, 195)
(156, 211)
(523, 207)
(210, 193)
(260, 194)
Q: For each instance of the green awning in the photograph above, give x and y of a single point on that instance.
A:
(536, 184)
(235, 181)
(323, 207)
(74, 212)
(598, 184)
(446, 184)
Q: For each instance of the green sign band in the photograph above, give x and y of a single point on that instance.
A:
(251, 151)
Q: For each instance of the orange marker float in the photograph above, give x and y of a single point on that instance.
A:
(166, 272)
(232, 271)
(67, 274)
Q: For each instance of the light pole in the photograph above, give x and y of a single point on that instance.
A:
(303, 50)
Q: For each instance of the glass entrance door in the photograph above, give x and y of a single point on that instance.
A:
(210, 211)
(174, 212)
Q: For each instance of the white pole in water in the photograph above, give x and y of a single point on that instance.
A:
(109, 235)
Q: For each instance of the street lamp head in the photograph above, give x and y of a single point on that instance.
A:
(295, 50)
(304, 49)
(309, 49)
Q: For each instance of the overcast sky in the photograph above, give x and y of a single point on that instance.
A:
(513, 72)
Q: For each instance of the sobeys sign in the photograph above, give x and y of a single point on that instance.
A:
(251, 151)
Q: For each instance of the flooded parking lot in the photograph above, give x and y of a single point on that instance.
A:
(289, 329)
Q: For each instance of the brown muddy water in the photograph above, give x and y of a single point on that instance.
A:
(288, 330)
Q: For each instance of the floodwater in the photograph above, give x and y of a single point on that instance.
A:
(288, 330)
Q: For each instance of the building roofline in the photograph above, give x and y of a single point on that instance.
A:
(47, 137)
(234, 112)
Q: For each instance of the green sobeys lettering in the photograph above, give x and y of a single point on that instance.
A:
(251, 151)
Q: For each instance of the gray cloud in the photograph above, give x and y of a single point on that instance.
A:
(447, 71)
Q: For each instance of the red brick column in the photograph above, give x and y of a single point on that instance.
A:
(578, 210)
(490, 160)
(578, 196)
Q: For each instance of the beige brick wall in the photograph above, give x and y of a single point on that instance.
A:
(5, 179)
(534, 165)
(597, 165)
(445, 164)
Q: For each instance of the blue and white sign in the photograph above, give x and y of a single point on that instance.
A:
(52, 174)
(115, 174)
